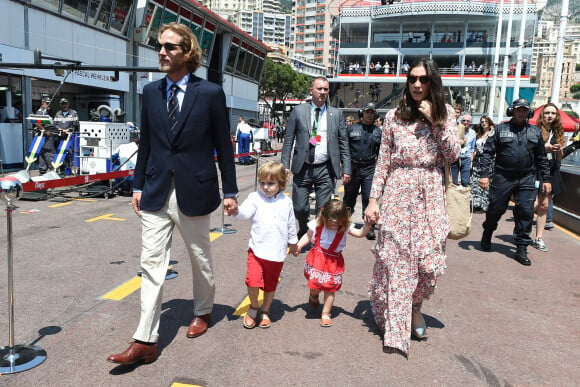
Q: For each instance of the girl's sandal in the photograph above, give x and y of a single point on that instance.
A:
(249, 320)
(265, 322)
(325, 321)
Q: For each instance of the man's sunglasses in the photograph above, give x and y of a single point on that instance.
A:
(167, 46)
(412, 79)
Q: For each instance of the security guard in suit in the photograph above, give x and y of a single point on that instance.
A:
(364, 140)
(519, 153)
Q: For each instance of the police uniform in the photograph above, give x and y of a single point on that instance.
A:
(519, 155)
(363, 143)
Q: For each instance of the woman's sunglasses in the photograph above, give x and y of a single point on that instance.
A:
(412, 79)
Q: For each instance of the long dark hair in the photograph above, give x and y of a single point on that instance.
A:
(408, 109)
(556, 126)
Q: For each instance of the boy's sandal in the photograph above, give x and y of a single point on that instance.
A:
(313, 301)
(249, 320)
(325, 321)
(265, 322)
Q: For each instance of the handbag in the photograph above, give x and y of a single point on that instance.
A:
(459, 209)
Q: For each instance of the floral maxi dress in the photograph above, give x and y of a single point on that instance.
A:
(413, 223)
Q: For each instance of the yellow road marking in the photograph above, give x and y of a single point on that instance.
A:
(176, 384)
(124, 290)
(134, 283)
(245, 305)
(85, 200)
(60, 204)
(104, 217)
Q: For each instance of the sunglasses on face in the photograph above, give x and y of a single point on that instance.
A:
(167, 46)
(423, 79)
(465, 120)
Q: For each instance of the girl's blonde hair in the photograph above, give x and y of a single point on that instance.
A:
(335, 210)
(273, 171)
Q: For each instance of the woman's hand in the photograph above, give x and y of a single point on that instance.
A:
(425, 107)
(372, 212)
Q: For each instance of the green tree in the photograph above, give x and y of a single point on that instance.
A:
(280, 82)
(575, 90)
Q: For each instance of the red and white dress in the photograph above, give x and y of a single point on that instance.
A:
(324, 265)
(413, 223)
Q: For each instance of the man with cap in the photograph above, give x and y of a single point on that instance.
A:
(364, 140)
(50, 142)
(66, 120)
(517, 148)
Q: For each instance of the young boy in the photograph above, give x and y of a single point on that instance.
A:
(272, 229)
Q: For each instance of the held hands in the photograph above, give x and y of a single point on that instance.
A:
(372, 212)
(293, 249)
(231, 206)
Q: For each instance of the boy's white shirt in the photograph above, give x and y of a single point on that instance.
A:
(272, 224)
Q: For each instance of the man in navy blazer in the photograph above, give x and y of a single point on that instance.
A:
(320, 156)
(176, 182)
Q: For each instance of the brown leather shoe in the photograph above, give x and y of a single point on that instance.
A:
(136, 353)
(198, 325)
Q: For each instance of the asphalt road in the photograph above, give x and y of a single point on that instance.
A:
(491, 321)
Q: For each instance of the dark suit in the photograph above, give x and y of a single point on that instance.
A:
(177, 175)
(187, 155)
(306, 176)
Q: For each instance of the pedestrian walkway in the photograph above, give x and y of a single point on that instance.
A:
(491, 321)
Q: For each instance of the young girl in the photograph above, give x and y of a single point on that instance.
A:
(272, 228)
(324, 263)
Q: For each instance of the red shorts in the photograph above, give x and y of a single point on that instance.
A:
(262, 273)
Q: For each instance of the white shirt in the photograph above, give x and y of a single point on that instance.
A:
(244, 128)
(328, 235)
(321, 151)
(126, 151)
(182, 86)
(272, 225)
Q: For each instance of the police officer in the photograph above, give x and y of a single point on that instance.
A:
(520, 155)
(364, 139)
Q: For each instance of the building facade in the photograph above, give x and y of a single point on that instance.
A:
(377, 44)
(120, 33)
(311, 33)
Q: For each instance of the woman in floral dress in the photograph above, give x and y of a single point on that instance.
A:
(408, 204)
(479, 196)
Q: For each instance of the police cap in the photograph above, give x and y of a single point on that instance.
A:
(369, 106)
(521, 102)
